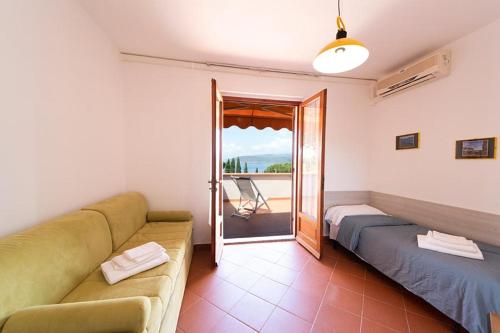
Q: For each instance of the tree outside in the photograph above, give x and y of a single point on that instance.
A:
(279, 168)
(238, 165)
(232, 167)
(235, 165)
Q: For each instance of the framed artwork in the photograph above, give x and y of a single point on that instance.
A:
(407, 141)
(475, 148)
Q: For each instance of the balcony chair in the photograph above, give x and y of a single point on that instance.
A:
(250, 197)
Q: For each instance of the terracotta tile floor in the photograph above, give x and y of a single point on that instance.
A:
(279, 287)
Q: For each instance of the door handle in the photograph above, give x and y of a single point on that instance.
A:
(213, 184)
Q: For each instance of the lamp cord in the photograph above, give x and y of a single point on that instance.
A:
(340, 23)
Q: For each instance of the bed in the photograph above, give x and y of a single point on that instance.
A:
(466, 290)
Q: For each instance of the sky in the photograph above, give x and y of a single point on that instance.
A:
(251, 141)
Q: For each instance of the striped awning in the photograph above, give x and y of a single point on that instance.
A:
(260, 116)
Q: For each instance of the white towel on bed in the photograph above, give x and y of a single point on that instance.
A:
(467, 247)
(457, 240)
(424, 243)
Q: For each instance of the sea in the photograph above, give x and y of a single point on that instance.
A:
(254, 166)
(261, 162)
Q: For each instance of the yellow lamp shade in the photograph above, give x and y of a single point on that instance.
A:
(341, 55)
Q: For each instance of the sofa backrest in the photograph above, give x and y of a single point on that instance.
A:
(126, 213)
(43, 264)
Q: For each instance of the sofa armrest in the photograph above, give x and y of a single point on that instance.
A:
(169, 216)
(129, 315)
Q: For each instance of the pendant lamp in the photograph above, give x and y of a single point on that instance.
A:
(341, 55)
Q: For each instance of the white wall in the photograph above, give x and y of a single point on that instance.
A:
(464, 105)
(168, 122)
(61, 123)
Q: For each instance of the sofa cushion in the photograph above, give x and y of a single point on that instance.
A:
(157, 282)
(92, 290)
(174, 237)
(170, 268)
(126, 213)
(176, 249)
(173, 232)
(42, 264)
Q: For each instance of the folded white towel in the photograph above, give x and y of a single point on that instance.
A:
(423, 243)
(459, 240)
(139, 253)
(113, 275)
(452, 246)
(123, 263)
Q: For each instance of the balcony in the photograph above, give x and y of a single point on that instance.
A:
(276, 221)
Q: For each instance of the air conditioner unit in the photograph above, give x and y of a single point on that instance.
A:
(423, 71)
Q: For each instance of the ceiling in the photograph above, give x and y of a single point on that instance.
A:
(285, 34)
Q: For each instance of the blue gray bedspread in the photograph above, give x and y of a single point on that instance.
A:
(352, 226)
(464, 289)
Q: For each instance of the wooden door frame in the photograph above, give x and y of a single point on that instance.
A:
(296, 144)
(321, 170)
(213, 218)
(295, 134)
(215, 186)
(252, 100)
(296, 105)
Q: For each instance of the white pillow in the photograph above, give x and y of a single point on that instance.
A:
(336, 213)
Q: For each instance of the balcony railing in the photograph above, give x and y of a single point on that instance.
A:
(271, 185)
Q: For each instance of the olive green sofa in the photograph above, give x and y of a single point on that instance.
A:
(51, 281)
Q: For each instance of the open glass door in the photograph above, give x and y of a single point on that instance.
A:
(310, 169)
(216, 175)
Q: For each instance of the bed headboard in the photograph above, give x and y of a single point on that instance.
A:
(338, 198)
(484, 227)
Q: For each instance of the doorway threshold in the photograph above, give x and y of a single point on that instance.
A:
(258, 239)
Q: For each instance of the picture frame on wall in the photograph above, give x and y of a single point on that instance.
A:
(407, 141)
(475, 148)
